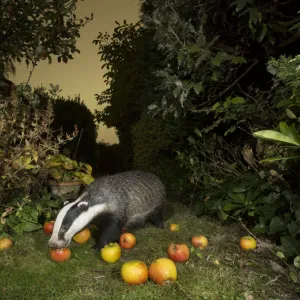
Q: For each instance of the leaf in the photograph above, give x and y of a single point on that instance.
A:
(276, 225)
(237, 100)
(263, 33)
(241, 4)
(54, 173)
(152, 106)
(198, 87)
(294, 228)
(270, 160)
(293, 276)
(241, 189)
(28, 226)
(290, 114)
(254, 14)
(290, 246)
(219, 58)
(274, 136)
(289, 131)
(280, 255)
(215, 106)
(283, 103)
(297, 261)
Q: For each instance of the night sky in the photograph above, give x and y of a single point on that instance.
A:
(83, 74)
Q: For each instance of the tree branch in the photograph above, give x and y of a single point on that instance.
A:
(239, 78)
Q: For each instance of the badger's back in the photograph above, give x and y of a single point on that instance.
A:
(132, 195)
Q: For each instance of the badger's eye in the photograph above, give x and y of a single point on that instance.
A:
(64, 228)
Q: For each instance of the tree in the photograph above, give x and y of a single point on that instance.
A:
(32, 30)
(130, 57)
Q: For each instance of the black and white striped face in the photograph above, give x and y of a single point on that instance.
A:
(72, 218)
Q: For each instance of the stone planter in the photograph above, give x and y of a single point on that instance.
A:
(67, 190)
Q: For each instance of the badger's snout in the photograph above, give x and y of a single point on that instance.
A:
(57, 244)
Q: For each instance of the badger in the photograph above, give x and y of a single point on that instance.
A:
(111, 202)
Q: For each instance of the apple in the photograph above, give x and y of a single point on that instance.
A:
(163, 271)
(134, 272)
(48, 227)
(60, 255)
(178, 252)
(5, 243)
(127, 240)
(111, 253)
(174, 227)
(82, 236)
(199, 241)
(247, 243)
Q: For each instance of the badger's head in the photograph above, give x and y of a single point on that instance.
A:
(72, 218)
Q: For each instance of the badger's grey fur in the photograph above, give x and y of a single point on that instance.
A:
(112, 203)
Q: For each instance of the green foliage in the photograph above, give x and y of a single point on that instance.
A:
(35, 29)
(26, 139)
(63, 169)
(22, 214)
(130, 57)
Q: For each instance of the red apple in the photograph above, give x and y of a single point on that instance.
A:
(48, 227)
(127, 240)
(60, 255)
(199, 241)
(178, 252)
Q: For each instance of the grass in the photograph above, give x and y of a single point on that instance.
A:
(26, 271)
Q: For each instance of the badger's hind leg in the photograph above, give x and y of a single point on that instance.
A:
(157, 217)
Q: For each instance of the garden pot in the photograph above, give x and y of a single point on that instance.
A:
(67, 190)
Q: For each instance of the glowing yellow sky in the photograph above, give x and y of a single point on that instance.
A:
(83, 74)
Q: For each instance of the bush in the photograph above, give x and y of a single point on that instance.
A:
(26, 140)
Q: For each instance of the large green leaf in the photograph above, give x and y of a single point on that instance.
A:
(289, 131)
(290, 246)
(275, 136)
(294, 228)
(270, 160)
(276, 225)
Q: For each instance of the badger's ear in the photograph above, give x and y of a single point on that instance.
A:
(83, 205)
(66, 202)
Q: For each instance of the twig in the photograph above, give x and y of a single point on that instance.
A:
(78, 144)
(239, 78)
(30, 74)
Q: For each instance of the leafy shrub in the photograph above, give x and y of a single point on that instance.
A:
(23, 214)
(26, 140)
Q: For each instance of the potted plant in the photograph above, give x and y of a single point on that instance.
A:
(67, 176)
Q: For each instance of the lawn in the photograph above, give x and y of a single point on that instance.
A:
(26, 271)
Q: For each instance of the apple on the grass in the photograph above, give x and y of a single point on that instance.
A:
(127, 240)
(134, 272)
(60, 255)
(5, 243)
(247, 243)
(178, 252)
(163, 271)
(199, 241)
(111, 253)
(48, 227)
